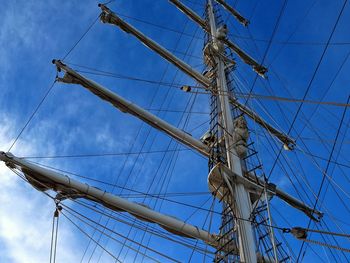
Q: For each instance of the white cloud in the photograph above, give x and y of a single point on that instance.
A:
(26, 214)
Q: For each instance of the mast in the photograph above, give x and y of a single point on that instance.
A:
(230, 180)
(241, 200)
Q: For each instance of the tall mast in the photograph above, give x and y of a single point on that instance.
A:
(241, 203)
(230, 179)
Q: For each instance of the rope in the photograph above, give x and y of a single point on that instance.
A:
(90, 238)
(326, 245)
(33, 114)
(81, 38)
(280, 15)
(111, 1)
(102, 154)
(276, 98)
(140, 225)
(160, 26)
(328, 164)
(327, 232)
(85, 219)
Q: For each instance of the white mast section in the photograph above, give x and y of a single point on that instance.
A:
(261, 70)
(108, 16)
(241, 200)
(122, 104)
(44, 179)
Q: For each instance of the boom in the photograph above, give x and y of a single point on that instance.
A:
(44, 179)
(122, 104)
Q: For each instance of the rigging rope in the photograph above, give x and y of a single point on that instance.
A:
(140, 225)
(298, 24)
(152, 101)
(102, 154)
(173, 159)
(277, 98)
(301, 234)
(33, 114)
(329, 159)
(159, 26)
(152, 182)
(306, 93)
(326, 232)
(81, 38)
(326, 245)
(269, 43)
(284, 230)
(112, 231)
(90, 237)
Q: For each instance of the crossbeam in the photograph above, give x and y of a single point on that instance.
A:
(190, 13)
(44, 179)
(73, 77)
(110, 17)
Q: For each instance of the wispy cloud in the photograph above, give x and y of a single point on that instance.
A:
(26, 215)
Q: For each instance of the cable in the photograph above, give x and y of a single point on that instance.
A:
(325, 232)
(90, 237)
(328, 163)
(276, 98)
(327, 245)
(310, 83)
(33, 114)
(114, 232)
(168, 144)
(107, 3)
(81, 38)
(170, 170)
(319, 63)
(140, 224)
(160, 26)
(294, 31)
(153, 180)
(102, 154)
(269, 43)
(287, 42)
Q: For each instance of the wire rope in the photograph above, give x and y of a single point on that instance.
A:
(33, 114)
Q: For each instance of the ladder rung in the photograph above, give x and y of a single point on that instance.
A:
(250, 155)
(226, 223)
(263, 236)
(284, 259)
(271, 248)
(262, 222)
(249, 144)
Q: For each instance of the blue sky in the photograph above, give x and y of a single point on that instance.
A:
(72, 121)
